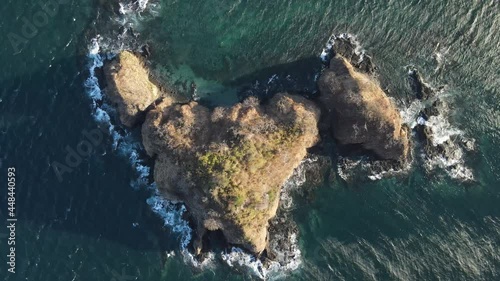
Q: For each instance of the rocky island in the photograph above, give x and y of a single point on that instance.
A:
(228, 164)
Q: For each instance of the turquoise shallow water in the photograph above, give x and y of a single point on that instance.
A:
(94, 226)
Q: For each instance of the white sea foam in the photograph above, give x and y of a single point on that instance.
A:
(95, 61)
(295, 181)
(327, 49)
(124, 9)
(171, 212)
(325, 53)
(124, 144)
(346, 166)
(142, 4)
(440, 54)
(286, 260)
(442, 130)
(237, 257)
(410, 114)
(443, 133)
(133, 7)
(385, 173)
(172, 215)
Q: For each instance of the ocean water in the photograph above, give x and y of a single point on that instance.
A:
(102, 220)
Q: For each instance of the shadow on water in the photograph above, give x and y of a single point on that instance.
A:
(295, 77)
(95, 198)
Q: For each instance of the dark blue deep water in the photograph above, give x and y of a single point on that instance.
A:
(96, 222)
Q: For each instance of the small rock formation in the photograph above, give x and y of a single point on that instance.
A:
(347, 47)
(422, 90)
(360, 113)
(129, 87)
(228, 164)
(442, 143)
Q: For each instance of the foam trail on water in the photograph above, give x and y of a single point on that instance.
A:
(172, 213)
(443, 133)
(442, 130)
(95, 61)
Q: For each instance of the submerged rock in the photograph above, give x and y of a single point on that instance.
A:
(129, 87)
(228, 164)
(360, 113)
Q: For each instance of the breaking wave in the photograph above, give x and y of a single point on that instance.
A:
(444, 141)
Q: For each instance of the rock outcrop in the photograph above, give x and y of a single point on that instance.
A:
(360, 113)
(443, 145)
(129, 87)
(228, 164)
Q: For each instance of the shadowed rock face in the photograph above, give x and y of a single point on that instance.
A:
(129, 87)
(228, 164)
(360, 113)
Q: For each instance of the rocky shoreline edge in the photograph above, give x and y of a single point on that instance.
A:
(228, 164)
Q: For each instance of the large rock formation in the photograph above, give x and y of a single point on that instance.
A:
(228, 164)
(360, 113)
(129, 87)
